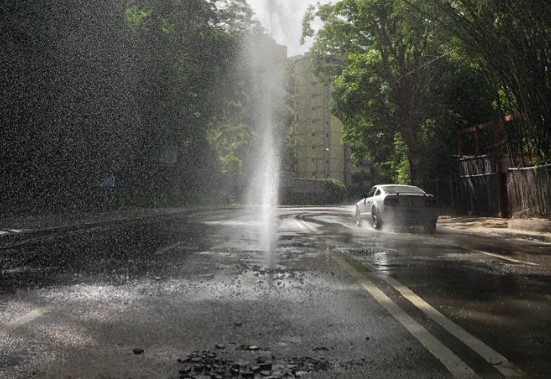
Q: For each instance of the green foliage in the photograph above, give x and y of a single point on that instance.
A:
(509, 40)
(401, 87)
(378, 50)
(113, 87)
(230, 138)
(135, 16)
(400, 163)
(334, 192)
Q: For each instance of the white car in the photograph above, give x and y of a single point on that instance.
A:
(399, 206)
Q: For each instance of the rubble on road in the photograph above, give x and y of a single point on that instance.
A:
(208, 364)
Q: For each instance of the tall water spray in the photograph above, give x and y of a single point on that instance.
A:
(267, 62)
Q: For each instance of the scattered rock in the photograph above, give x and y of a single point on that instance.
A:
(138, 351)
(235, 369)
(249, 348)
(185, 370)
(207, 364)
(320, 348)
(265, 366)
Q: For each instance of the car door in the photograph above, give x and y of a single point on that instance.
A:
(367, 201)
(372, 200)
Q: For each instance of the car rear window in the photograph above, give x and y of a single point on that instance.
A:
(403, 189)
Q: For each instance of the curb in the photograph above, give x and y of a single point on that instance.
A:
(534, 225)
(503, 232)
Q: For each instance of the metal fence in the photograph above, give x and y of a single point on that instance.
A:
(483, 185)
(529, 191)
(447, 191)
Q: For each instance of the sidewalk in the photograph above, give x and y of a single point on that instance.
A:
(530, 229)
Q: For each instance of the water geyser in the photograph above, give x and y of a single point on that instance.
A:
(267, 62)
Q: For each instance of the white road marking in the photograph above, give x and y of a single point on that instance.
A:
(304, 226)
(497, 360)
(505, 258)
(8, 231)
(19, 322)
(169, 247)
(449, 359)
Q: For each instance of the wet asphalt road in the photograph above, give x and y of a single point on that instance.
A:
(195, 296)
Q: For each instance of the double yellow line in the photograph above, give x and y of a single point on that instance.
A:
(448, 358)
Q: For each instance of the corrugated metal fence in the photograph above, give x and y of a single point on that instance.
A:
(529, 191)
(483, 187)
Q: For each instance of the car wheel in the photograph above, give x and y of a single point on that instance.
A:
(430, 226)
(376, 219)
(358, 217)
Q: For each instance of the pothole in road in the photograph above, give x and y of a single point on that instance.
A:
(209, 364)
(278, 274)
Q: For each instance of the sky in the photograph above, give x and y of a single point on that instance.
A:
(283, 20)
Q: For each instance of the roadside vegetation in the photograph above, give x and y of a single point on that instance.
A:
(409, 74)
(152, 102)
(129, 102)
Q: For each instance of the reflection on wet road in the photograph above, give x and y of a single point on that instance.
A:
(504, 297)
(196, 296)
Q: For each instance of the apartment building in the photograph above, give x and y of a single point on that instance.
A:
(320, 154)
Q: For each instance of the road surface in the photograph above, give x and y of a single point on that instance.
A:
(195, 296)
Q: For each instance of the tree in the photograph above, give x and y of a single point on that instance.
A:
(393, 90)
(192, 89)
(384, 49)
(95, 89)
(68, 115)
(510, 41)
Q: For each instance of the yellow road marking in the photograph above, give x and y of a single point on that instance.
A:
(502, 364)
(491, 356)
(505, 258)
(304, 226)
(448, 358)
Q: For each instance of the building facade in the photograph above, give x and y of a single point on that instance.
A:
(320, 153)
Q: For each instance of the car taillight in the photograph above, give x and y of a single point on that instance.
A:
(430, 203)
(391, 202)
